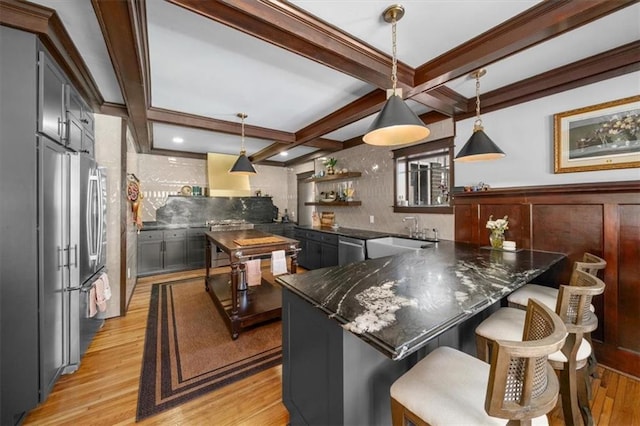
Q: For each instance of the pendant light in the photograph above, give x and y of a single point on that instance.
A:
(479, 147)
(396, 124)
(242, 166)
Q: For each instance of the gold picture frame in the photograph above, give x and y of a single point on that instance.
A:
(598, 137)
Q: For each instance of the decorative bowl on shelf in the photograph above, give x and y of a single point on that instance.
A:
(327, 200)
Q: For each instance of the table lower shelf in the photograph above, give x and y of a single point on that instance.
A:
(256, 305)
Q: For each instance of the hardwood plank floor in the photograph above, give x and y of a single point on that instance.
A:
(104, 391)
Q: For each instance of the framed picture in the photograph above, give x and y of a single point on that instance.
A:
(598, 137)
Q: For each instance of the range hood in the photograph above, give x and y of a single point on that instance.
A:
(221, 182)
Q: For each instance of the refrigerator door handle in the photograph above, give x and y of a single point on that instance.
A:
(93, 188)
(101, 208)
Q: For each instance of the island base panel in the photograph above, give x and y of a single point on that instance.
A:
(256, 305)
(330, 376)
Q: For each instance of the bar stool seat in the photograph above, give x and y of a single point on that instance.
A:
(459, 398)
(507, 323)
(546, 295)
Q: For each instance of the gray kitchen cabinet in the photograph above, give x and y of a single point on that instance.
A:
(51, 99)
(63, 115)
(319, 249)
(196, 247)
(162, 251)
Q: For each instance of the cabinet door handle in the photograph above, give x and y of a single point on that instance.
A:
(84, 121)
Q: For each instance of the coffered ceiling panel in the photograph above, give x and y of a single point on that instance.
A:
(205, 68)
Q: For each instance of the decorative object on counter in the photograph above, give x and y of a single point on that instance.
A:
(186, 190)
(242, 166)
(135, 196)
(285, 217)
(315, 219)
(396, 124)
(327, 218)
(497, 227)
(509, 245)
(598, 137)
(196, 191)
(330, 164)
(259, 193)
(479, 147)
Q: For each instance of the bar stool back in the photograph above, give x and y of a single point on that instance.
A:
(451, 387)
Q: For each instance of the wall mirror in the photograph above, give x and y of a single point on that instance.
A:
(423, 177)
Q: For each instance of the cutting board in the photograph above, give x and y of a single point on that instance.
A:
(257, 241)
(327, 219)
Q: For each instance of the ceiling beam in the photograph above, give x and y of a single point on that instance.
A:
(117, 21)
(231, 127)
(284, 25)
(268, 152)
(615, 62)
(542, 22)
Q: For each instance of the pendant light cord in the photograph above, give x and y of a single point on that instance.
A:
(478, 123)
(394, 58)
(242, 117)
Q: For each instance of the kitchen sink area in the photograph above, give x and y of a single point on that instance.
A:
(389, 246)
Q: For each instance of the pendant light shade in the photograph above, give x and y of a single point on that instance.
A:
(242, 165)
(479, 147)
(396, 124)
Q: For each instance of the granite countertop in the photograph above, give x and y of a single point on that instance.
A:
(361, 234)
(398, 303)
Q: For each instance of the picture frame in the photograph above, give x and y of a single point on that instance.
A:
(598, 137)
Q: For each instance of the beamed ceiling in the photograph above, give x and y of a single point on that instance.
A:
(311, 74)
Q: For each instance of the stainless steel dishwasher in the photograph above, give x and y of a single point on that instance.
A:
(350, 250)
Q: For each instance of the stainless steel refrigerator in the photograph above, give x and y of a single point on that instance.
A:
(72, 241)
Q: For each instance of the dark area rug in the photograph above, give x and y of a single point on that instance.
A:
(188, 349)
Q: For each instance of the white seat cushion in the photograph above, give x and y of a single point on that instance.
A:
(508, 324)
(448, 387)
(546, 295)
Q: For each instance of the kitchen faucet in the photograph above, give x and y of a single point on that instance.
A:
(413, 231)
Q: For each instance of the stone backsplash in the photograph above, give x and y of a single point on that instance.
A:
(198, 210)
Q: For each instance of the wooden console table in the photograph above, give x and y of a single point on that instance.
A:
(244, 308)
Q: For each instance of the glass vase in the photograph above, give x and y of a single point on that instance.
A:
(496, 238)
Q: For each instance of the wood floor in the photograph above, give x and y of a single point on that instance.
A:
(104, 391)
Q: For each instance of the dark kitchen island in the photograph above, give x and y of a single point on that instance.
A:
(349, 332)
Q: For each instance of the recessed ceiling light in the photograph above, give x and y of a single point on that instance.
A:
(284, 153)
(178, 139)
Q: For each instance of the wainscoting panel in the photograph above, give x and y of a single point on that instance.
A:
(601, 218)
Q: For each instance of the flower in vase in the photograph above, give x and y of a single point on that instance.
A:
(499, 225)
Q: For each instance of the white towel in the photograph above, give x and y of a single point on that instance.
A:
(278, 262)
(102, 292)
(93, 308)
(253, 272)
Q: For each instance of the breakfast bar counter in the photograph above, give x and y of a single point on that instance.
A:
(350, 331)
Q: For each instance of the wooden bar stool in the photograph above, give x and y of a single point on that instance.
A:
(590, 264)
(451, 387)
(573, 307)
